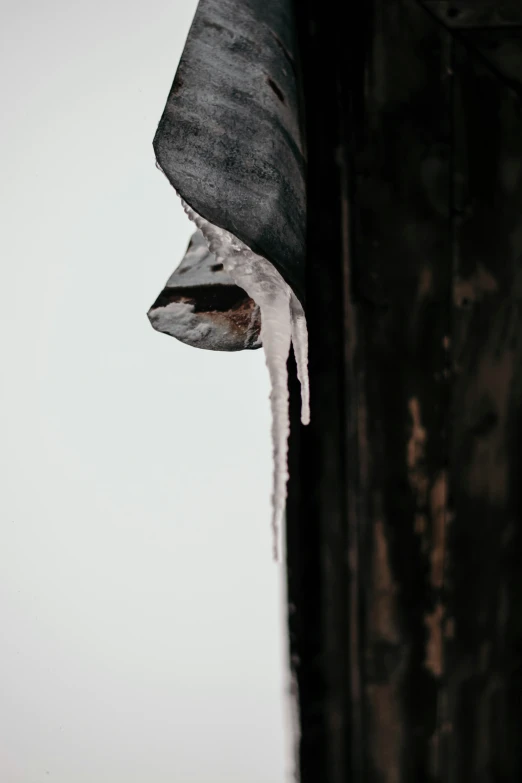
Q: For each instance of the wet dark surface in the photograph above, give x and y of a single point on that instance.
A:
(404, 517)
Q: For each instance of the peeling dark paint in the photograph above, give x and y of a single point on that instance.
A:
(411, 494)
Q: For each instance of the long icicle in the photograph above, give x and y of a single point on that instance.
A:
(283, 323)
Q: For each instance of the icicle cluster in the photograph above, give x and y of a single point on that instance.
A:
(283, 324)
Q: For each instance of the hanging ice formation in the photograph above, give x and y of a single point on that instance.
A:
(283, 324)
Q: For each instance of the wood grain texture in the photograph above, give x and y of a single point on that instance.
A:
(404, 528)
(465, 14)
(484, 569)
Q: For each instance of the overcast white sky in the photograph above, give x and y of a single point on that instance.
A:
(142, 623)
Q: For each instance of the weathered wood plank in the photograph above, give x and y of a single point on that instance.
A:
(404, 529)
(401, 259)
(465, 14)
(485, 545)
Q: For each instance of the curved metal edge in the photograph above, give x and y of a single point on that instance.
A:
(230, 139)
(201, 306)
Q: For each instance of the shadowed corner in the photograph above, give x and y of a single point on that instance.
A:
(202, 307)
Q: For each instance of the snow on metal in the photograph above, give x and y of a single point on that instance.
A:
(203, 307)
(283, 322)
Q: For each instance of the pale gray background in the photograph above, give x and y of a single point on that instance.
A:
(141, 614)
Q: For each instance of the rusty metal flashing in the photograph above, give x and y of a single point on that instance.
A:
(201, 306)
(230, 142)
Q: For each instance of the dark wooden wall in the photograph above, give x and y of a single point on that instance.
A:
(404, 515)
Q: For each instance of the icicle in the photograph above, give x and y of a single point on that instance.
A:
(300, 344)
(283, 323)
(276, 335)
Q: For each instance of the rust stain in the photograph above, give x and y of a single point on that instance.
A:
(384, 619)
(424, 290)
(418, 435)
(438, 505)
(384, 701)
(417, 474)
(416, 448)
(420, 524)
(434, 661)
(230, 316)
(386, 731)
(473, 289)
(425, 283)
(449, 628)
(439, 738)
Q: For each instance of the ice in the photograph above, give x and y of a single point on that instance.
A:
(300, 345)
(283, 323)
